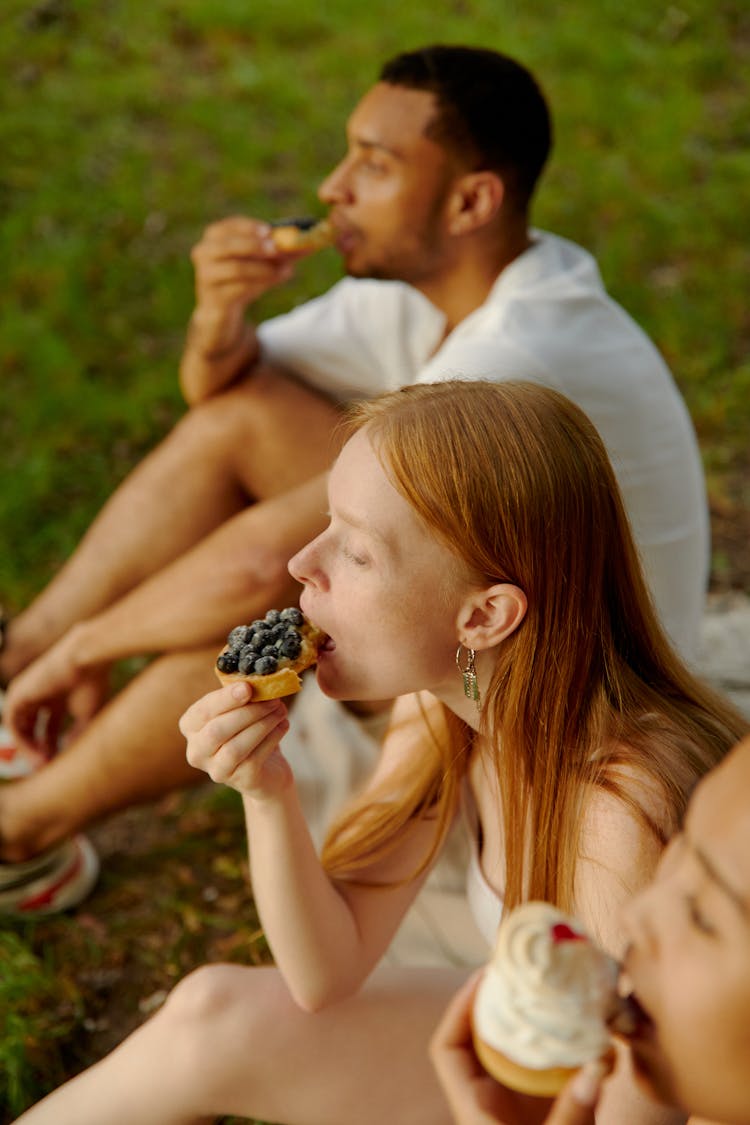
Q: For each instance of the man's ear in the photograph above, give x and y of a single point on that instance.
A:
(489, 616)
(474, 200)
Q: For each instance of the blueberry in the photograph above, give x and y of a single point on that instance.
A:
(261, 637)
(246, 662)
(293, 616)
(265, 665)
(269, 650)
(272, 617)
(291, 647)
(239, 636)
(227, 661)
(301, 222)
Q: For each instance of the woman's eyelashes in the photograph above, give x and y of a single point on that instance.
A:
(356, 557)
(698, 918)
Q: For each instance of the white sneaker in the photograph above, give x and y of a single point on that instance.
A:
(49, 883)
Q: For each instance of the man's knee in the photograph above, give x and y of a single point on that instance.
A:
(274, 431)
(211, 424)
(258, 571)
(261, 399)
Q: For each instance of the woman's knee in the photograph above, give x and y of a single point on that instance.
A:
(214, 1013)
(204, 996)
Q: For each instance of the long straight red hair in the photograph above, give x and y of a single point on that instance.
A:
(514, 479)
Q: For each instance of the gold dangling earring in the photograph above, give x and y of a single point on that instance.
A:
(469, 673)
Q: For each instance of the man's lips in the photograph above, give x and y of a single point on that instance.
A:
(345, 236)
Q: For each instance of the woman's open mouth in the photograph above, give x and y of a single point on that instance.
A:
(630, 1019)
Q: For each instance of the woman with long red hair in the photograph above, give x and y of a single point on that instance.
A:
(478, 565)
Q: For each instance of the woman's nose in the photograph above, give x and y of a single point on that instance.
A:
(303, 567)
(296, 566)
(638, 920)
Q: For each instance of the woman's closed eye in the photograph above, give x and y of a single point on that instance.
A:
(698, 917)
(357, 557)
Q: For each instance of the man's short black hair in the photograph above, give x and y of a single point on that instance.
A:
(491, 111)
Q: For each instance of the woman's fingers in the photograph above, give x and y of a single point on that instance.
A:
(231, 738)
(215, 703)
(577, 1103)
(250, 744)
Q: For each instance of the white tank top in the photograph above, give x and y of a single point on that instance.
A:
(485, 904)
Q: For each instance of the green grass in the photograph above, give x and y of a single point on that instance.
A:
(125, 126)
(39, 1006)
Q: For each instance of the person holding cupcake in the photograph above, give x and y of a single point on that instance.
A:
(479, 565)
(686, 971)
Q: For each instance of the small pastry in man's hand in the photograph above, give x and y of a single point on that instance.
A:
(302, 234)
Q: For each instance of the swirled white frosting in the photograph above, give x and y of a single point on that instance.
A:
(546, 993)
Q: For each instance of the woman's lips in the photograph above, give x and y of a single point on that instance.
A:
(630, 1019)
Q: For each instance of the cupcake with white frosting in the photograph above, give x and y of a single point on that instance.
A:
(542, 1006)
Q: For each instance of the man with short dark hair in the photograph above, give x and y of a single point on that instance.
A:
(446, 278)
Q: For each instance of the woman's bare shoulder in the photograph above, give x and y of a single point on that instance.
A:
(619, 849)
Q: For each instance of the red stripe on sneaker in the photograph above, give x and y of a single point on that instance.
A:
(47, 897)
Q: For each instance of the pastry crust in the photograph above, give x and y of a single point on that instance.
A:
(286, 679)
(545, 1083)
(297, 235)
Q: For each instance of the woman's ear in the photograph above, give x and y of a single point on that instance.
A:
(489, 616)
(474, 201)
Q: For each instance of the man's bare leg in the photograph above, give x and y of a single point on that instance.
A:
(234, 574)
(252, 442)
(131, 752)
(230, 1040)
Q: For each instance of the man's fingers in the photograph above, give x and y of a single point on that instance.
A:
(235, 238)
(238, 226)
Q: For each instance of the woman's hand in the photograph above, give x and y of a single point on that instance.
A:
(477, 1099)
(236, 741)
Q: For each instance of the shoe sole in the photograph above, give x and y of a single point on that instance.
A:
(49, 891)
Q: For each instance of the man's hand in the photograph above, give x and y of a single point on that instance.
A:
(236, 262)
(54, 689)
(477, 1099)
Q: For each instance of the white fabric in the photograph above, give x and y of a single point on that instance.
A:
(549, 319)
(332, 753)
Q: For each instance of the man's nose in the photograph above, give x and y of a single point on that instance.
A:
(335, 187)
